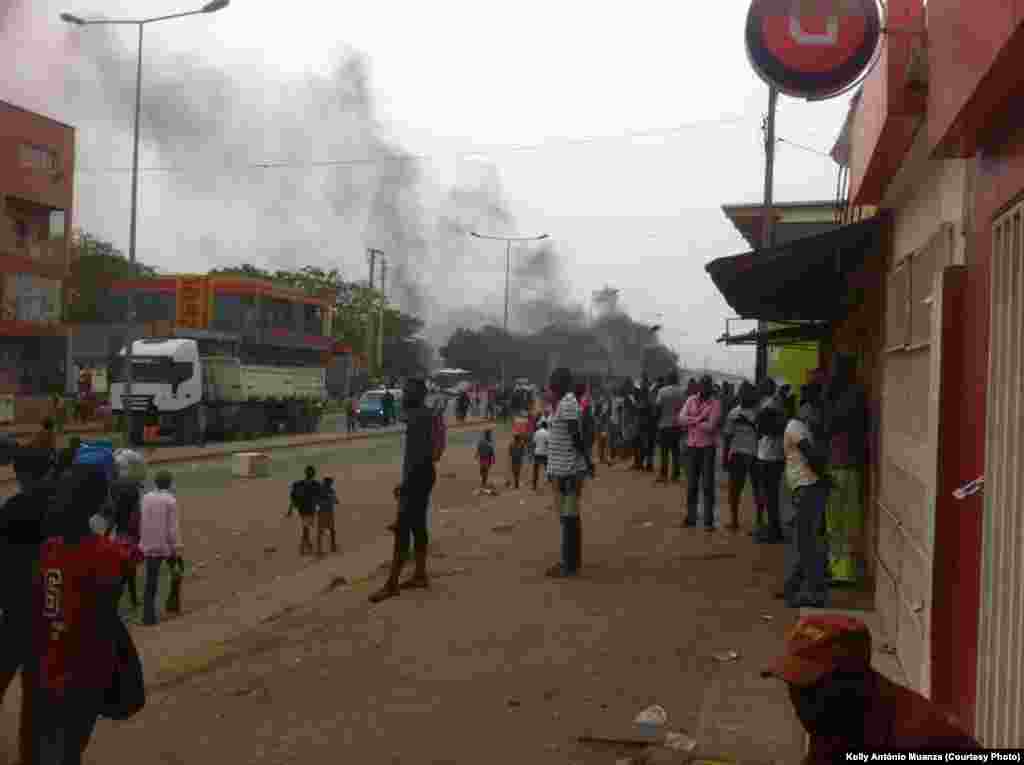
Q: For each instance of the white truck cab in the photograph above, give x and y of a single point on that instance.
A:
(166, 373)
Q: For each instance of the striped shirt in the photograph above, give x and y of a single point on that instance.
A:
(563, 458)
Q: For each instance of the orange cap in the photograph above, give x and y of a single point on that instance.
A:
(818, 645)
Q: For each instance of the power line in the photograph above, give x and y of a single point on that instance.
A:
(803, 147)
(312, 164)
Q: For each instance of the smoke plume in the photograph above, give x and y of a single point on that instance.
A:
(279, 172)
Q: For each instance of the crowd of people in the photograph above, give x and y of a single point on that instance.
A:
(76, 531)
(71, 540)
(763, 436)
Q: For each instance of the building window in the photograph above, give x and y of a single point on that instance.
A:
(32, 157)
(312, 319)
(57, 222)
(280, 315)
(910, 287)
(31, 298)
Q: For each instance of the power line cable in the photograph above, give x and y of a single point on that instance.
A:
(312, 164)
(804, 147)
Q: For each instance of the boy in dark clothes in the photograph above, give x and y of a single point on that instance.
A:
(413, 493)
(305, 495)
(326, 503)
(516, 455)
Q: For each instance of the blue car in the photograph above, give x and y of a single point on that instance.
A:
(371, 409)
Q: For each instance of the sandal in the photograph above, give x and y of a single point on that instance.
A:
(384, 594)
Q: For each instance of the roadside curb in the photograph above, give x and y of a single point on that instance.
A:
(222, 451)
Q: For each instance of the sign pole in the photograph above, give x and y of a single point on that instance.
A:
(768, 218)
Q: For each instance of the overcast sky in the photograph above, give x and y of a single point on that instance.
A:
(618, 129)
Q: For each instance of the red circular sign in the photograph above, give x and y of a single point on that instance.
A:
(813, 50)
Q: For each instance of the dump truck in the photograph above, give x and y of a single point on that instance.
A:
(195, 397)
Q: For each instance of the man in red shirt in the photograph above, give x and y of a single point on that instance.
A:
(846, 706)
(78, 590)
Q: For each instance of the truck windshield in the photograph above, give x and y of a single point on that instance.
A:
(156, 369)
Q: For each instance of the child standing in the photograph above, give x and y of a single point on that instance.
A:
(516, 453)
(485, 453)
(328, 500)
(304, 497)
(540, 451)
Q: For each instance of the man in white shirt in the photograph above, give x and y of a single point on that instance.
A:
(159, 538)
(806, 474)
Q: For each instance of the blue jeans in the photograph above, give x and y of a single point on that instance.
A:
(701, 480)
(806, 584)
(152, 583)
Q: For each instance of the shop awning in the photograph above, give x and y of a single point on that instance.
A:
(802, 280)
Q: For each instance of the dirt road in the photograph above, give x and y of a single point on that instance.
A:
(496, 663)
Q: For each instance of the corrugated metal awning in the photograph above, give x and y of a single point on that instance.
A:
(803, 280)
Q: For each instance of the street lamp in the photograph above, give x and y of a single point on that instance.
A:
(211, 7)
(70, 18)
(508, 266)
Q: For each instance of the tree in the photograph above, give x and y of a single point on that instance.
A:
(95, 263)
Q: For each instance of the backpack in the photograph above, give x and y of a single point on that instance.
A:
(439, 434)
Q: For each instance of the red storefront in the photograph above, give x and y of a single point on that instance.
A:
(960, 113)
(976, 57)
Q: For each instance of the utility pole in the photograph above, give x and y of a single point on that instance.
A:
(380, 326)
(371, 254)
(768, 218)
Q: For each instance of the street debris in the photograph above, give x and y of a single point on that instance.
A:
(653, 715)
(503, 528)
(679, 742)
(726, 656)
(767, 617)
(270, 550)
(335, 583)
(512, 702)
(647, 524)
(241, 692)
(887, 648)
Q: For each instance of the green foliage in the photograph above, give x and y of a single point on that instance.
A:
(95, 264)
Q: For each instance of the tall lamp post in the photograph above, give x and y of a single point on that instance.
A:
(508, 267)
(211, 7)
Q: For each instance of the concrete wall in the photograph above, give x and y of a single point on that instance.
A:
(926, 222)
